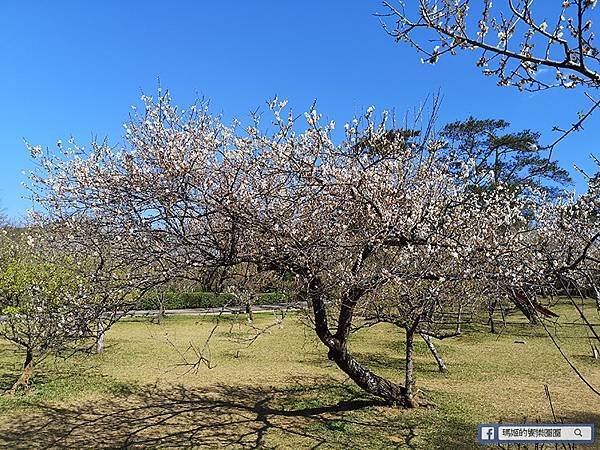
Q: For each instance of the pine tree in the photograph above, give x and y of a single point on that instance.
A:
(496, 156)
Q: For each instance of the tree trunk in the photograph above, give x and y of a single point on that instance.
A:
(528, 312)
(161, 309)
(99, 337)
(491, 310)
(409, 382)
(25, 376)
(440, 362)
(389, 391)
(249, 312)
(503, 314)
(524, 304)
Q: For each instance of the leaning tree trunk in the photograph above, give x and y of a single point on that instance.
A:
(26, 375)
(438, 358)
(524, 304)
(390, 392)
(528, 312)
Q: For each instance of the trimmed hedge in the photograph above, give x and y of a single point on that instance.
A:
(191, 300)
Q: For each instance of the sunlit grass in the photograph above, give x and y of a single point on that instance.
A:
(282, 392)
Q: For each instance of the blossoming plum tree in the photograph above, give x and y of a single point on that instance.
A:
(396, 236)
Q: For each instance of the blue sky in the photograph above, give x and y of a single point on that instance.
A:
(74, 68)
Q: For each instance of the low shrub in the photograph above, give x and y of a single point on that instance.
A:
(192, 300)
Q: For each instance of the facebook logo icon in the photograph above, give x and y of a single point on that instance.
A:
(487, 434)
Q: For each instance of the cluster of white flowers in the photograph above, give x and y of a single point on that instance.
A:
(514, 38)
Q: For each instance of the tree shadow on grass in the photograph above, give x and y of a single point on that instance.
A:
(321, 415)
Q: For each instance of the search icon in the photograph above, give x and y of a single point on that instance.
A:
(577, 432)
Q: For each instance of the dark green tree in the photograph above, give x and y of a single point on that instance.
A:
(493, 155)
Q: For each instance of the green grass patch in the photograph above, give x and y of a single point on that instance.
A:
(278, 390)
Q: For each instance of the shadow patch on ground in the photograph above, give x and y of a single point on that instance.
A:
(320, 415)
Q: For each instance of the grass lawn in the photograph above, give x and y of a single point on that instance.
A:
(282, 392)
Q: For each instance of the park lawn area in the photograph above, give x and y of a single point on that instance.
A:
(282, 392)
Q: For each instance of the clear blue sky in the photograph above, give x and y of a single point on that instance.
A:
(74, 68)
